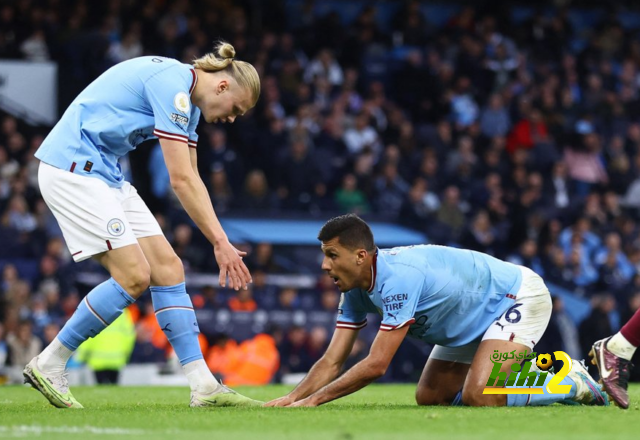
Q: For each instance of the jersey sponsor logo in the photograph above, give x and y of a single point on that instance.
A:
(115, 227)
(394, 302)
(179, 119)
(181, 102)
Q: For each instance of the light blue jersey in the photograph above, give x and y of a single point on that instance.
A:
(448, 296)
(136, 100)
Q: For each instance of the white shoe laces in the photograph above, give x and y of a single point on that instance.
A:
(61, 383)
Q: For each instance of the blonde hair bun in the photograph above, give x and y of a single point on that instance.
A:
(226, 51)
(223, 59)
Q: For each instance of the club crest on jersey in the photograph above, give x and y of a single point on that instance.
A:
(115, 227)
(181, 102)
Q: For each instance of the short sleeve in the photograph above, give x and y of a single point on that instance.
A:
(400, 298)
(352, 314)
(169, 95)
(193, 123)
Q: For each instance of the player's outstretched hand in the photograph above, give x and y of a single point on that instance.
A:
(281, 401)
(303, 403)
(230, 262)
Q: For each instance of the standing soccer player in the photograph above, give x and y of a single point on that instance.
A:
(613, 356)
(103, 217)
(468, 304)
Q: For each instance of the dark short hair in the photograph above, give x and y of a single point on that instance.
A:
(351, 230)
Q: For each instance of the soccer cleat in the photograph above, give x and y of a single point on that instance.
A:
(588, 391)
(614, 372)
(54, 388)
(224, 397)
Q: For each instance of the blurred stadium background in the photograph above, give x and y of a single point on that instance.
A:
(511, 128)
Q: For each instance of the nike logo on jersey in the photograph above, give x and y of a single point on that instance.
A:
(166, 328)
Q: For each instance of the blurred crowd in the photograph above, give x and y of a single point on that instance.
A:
(505, 129)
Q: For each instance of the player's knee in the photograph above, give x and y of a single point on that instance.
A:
(474, 397)
(175, 266)
(428, 398)
(169, 272)
(138, 280)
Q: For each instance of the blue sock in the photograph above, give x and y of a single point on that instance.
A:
(457, 401)
(541, 399)
(95, 312)
(174, 312)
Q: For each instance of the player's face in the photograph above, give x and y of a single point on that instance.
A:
(226, 102)
(341, 264)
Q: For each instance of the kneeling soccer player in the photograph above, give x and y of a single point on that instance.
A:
(467, 303)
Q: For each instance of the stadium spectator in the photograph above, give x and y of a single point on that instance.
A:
(349, 198)
(144, 350)
(243, 301)
(23, 344)
(294, 355)
(208, 298)
(288, 299)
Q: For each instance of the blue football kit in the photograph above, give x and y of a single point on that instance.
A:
(447, 296)
(136, 100)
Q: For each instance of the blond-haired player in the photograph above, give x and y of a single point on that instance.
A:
(103, 217)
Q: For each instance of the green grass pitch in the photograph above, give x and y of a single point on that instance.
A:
(378, 412)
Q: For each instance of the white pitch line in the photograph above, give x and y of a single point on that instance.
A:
(22, 430)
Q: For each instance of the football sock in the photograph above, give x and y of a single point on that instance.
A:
(625, 342)
(541, 399)
(95, 312)
(174, 312)
(54, 358)
(199, 377)
(457, 401)
(620, 346)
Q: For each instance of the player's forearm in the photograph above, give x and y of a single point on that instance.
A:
(322, 373)
(358, 377)
(195, 199)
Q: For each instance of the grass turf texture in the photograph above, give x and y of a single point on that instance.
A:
(383, 412)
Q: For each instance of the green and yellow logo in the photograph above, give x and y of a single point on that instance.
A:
(498, 379)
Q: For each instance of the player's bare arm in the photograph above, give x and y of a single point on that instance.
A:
(325, 370)
(195, 199)
(362, 374)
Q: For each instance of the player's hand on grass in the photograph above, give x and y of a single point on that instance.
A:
(303, 403)
(281, 401)
(230, 262)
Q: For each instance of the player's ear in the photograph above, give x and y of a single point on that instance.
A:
(361, 256)
(223, 86)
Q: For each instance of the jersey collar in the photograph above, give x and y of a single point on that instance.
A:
(374, 271)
